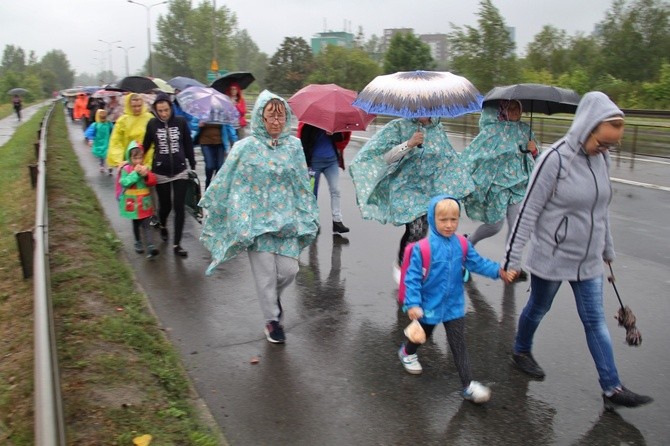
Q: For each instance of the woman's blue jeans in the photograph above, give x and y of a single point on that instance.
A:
(589, 300)
(214, 155)
(331, 169)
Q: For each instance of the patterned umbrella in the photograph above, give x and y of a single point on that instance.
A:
(417, 94)
(208, 105)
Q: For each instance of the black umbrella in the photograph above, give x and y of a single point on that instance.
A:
(241, 78)
(540, 98)
(625, 316)
(18, 90)
(135, 84)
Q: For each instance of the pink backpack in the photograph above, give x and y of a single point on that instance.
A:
(118, 189)
(424, 246)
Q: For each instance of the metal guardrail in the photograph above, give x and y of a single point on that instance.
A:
(49, 423)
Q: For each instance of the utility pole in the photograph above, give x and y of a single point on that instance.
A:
(109, 49)
(148, 8)
(125, 50)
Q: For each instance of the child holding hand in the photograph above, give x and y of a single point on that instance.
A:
(439, 297)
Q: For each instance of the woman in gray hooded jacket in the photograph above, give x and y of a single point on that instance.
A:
(565, 217)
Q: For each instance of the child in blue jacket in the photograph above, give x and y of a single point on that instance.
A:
(439, 298)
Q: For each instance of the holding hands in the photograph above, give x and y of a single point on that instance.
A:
(508, 276)
(415, 140)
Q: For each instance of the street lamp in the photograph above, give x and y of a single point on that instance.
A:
(111, 67)
(148, 8)
(125, 50)
(102, 62)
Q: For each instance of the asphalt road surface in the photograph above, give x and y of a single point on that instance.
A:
(338, 381)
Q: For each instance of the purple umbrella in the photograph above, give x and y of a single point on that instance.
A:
(208, 105)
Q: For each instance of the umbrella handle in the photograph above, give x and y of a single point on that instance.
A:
(610, 279)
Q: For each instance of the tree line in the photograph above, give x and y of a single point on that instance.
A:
(627, 56)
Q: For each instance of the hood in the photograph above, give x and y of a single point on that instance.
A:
(489, 116)
(257, 124)
(431, 212)
(99, 112)
(126, 103)
(130, 147)
(593, 108)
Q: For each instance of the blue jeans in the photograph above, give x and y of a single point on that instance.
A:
(589, 300)
(214, 155)
(331, 169)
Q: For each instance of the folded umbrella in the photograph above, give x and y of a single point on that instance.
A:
(328, 107)
(625, 316)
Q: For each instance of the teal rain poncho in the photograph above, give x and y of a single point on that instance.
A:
(498, 168)
(261, 199)
(399, 193)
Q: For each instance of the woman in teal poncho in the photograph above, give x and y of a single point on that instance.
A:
(398, 171)
(500, 160)
(261, 201)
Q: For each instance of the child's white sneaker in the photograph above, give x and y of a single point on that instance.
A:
(410, 362)
(477, 393)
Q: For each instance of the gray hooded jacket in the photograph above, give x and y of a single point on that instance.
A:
(565, 211)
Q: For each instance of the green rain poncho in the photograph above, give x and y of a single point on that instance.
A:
(497, 166)
(399, 193)
(261, 199)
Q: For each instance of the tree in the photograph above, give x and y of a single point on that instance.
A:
(188, 39)
(247, 56)
(13, 59)
(290, 66)
(55, 71)
(548, 51)
(407, 53)
(485, 55)
(350, 68)
(635, 39)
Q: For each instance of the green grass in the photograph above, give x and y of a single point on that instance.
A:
(120, 376)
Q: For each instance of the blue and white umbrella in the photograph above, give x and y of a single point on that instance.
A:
(419, 94)
(208, 105)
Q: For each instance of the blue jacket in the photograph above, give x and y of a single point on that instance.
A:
(441, 295)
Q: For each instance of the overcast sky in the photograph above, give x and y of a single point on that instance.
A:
(75, 26)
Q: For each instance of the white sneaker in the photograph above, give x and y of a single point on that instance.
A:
(410, 362)
(396, 272)
(477, 393)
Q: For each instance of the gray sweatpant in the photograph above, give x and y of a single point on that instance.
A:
(272, 274)
(486, 230)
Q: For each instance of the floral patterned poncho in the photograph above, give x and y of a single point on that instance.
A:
(261, 198)
(498, 168)
(399, 193)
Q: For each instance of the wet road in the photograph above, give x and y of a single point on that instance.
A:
(338, 381)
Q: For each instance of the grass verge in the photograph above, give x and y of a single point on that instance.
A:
(120, 376)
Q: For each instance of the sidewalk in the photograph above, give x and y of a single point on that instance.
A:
(9, 124)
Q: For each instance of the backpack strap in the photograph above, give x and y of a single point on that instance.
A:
(424, 247)
(464, 246)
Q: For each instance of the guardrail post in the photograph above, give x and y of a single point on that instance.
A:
(24, 241)
(634, 149)
(37, 150)
(33, 175)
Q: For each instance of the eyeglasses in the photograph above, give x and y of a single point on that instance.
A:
(275, 117)
(606, 146)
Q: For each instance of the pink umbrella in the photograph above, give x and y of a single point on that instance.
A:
(102, 93)
(328, 107)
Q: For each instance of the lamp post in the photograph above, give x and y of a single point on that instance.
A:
(102, 62)
(125, 50)
(111, 67)
(148, 8)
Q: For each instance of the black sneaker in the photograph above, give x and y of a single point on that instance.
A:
(527, 364)
(164, 233)
(152, 252)
(180, 251)
(339, 228)
(626, 398)
(274, 332)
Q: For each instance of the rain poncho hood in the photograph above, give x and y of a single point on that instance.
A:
(497, 166)
(129, 127)
(399, 192)
(261, 199)
(565, 212)
(99, 133)
(441, 295)
(135, 198)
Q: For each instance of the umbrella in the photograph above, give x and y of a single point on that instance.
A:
(328, 107)
(102, 93)
(18, 91)
(417, 94)
(208, 105)
(182, 83)
(241, 78)
(136, 84)
(163, 86)
(540, 98)
(625, 316)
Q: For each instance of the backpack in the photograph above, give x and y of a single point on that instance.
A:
(424, 247)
